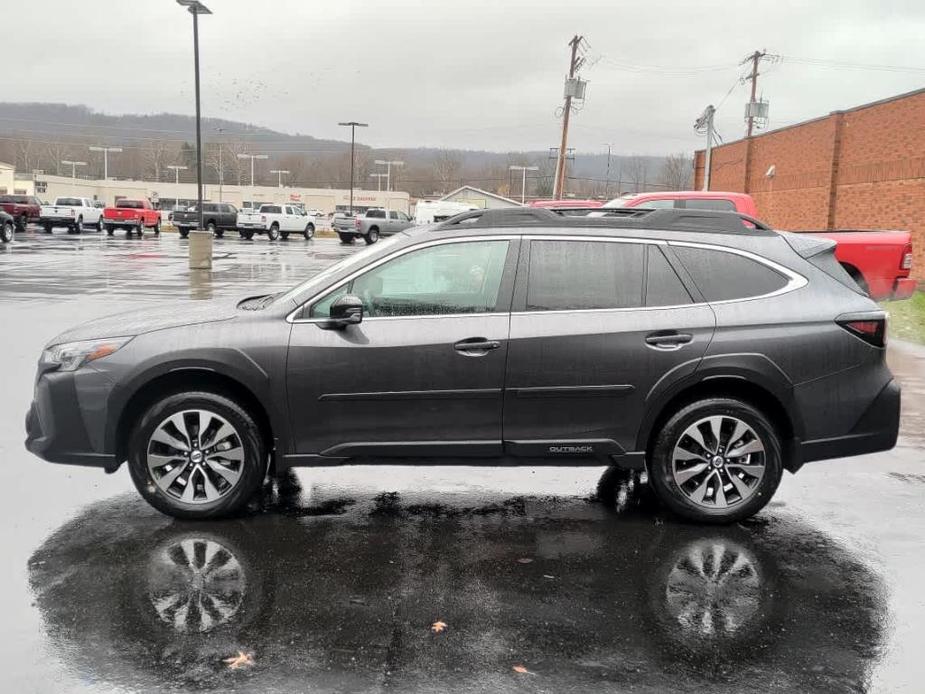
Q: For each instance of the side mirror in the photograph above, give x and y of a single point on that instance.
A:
(347, 310)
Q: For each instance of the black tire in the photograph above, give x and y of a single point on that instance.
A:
(184, 232)
(247, 235)
(109, 230)
(253, 467)
(347, 239)
(309, 232)
(6, 232)
(71, 229)
(48, 228)
(371, 236)
(219, 233)
(273, 232)
(20, 223)
(660, 461)
(99, 225)
(157, 228)
(284, 235)
(211, 227)
(79, 227)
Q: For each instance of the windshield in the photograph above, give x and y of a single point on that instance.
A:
(357, 260)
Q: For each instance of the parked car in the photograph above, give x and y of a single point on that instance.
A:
(344, 226)
(22, 208)
(132, 215)
(430, 211)
(374, 223)
(7, 227)
(276, 221)
(217, 217)
(712, 354)
(73, 213)
(879, 261)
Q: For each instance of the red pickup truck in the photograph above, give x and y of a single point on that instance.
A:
(132, 215)
(879, 261)
(22, 208)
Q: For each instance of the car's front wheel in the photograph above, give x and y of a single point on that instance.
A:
(197, 455)
(371, 236)
(273, 232)
(6, 231)
(309, 232)
(716, 460)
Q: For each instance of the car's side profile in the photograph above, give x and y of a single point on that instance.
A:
(711, 354)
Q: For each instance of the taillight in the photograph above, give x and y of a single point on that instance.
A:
(906, 263)
(871, 329)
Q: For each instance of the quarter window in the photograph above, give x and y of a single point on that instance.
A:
(723, 276)
(575, 275)
(444, 279)
(663, 286)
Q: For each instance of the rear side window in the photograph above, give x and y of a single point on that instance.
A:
(271, 209)
(718, 205)
(723, 276)
(663, 286)
(69, 202)
(575, 275)
(375, 214)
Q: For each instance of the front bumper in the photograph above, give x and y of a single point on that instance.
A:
(66, 421)
(876, 430)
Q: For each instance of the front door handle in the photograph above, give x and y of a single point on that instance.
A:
(668, 339)
(476, 346)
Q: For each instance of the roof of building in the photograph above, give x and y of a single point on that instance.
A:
(480, 192)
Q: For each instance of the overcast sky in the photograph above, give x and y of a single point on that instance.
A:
(476, 74)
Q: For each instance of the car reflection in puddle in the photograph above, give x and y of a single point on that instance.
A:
(339, 593)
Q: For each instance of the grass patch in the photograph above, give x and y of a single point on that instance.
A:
(907, 318)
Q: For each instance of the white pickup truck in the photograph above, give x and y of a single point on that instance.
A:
(276, 221)
(73, 213)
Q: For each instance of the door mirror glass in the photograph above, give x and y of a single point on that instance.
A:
(346, 310)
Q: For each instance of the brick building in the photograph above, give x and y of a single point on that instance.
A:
(862, 168)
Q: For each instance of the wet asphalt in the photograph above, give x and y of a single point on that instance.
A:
(543, 580)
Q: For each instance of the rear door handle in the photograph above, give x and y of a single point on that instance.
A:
(668, 339)
(474, 346)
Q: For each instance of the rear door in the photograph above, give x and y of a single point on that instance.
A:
(596, 322)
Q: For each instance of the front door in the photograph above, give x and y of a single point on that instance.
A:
(423, 373)
(596, 324)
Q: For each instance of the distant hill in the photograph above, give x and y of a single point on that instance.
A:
(47, 125)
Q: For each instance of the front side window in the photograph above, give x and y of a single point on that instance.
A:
(576, 275)
(393, 215)
(446, 279)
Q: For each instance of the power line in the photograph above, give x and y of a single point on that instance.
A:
(838, 64)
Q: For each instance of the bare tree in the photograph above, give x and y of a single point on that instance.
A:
(157, 155)
(446, 169)
(676, 173)
(54, 153)
(636, 172)
(26, 155)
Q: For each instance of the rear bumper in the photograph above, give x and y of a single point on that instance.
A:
(57, 220)
(903, 288)
(876, 430)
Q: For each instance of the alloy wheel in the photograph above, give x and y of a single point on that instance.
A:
(195, 456)
(718, 462)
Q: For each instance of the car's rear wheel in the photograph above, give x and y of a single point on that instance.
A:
(21, 223)
(716, 460)
(211, 227)
(157, 228)
(371, 236)
(247, 235)
(99, 225)
(219, 233)
(110, 230)
(184, 232)
(273, 232)
(197, 455)
(309, 232)
(347, 239)
(48, 228)
(6, 231)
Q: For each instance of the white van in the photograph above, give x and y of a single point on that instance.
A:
(430, 211)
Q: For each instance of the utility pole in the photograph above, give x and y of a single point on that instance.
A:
(574, 63)
(704, 125)
(755, 58)
(353, 125)
(607, 176)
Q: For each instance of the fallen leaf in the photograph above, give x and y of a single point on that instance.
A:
(438, 626)
(242, 659)
(525, 560)
(522, 670)
(548, 576)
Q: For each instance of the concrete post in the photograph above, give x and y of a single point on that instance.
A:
(200, 250)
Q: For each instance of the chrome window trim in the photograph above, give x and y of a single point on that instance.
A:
(290, 318)
(794, 280)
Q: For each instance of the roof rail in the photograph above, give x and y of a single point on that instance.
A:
(702, 221)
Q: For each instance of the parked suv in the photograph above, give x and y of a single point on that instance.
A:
(711, 354)
(217, 217)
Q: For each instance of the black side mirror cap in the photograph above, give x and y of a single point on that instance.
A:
(346, 310)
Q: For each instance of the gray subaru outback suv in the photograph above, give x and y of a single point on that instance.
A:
(702, 347)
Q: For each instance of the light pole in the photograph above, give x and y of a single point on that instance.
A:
(280, 173)
(523, 185)
(73, 165)
(388, 171)
(607, 177)
(252, 157)
(196, 8)
(378, 177)
(353, 125)
(105, 151)
(177, 169)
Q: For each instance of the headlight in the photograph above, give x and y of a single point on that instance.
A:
(70, 356)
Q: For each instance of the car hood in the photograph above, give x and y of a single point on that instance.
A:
(146, 320)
